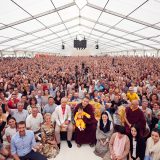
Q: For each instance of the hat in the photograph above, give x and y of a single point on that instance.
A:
(131, 89)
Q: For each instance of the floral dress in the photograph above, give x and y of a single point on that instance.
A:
(48, 134)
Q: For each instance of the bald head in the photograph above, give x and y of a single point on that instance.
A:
(135, 103)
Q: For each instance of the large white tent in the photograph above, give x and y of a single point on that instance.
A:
(42, 26)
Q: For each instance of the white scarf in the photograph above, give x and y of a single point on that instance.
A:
(154, 149)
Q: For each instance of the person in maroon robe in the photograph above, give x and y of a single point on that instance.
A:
(88, 135)
(134, 115)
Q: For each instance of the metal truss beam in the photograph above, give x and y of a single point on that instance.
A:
(120, 37)
(47, 41)
(38, 30)
(122, 30)
(123, 16)
(38, 15)
(110, 40)
(38, 38)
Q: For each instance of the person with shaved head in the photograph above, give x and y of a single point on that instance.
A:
(134, 115)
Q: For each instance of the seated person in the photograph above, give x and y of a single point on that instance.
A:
(2, 123)
(137, 144)
(119, 145)
(34, 122)
(63, 120)
(131, 95)
(23, 144)
(9, 132)
(79, 118)
(3, 152)
(153, 146)
(103, 134)
(87, 136)
(158, 124)
(50, 148)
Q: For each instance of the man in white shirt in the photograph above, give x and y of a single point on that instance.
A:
(34, 121)
(63, 119)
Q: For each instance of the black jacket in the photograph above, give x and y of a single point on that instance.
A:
(140, 147)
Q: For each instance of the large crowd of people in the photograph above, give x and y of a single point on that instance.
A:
(42, 96)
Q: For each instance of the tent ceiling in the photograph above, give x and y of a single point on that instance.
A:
(44, 25)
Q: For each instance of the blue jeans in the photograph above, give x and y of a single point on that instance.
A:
(32, 156)
(148, 158)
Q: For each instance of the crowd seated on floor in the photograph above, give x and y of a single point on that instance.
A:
(112, 104)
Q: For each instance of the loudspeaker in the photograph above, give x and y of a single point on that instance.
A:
(97, 46)
(80, 44)
(76, 43)
(83, 44)
(63, 47)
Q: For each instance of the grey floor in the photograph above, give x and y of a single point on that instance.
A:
(85, 152)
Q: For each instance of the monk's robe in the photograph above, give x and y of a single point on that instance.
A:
(88, 136)
(135, 117)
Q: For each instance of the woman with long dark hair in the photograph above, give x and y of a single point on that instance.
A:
(33, 103)
(137, 144)
(103, 134)
(58, 98)
(119, 145)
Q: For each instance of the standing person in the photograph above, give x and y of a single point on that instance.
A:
(134, 115)
(103, 134)
(137, 144)
(119, 145)
(87, 136)
(23, 143)
(153, 146)
(63, 119)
